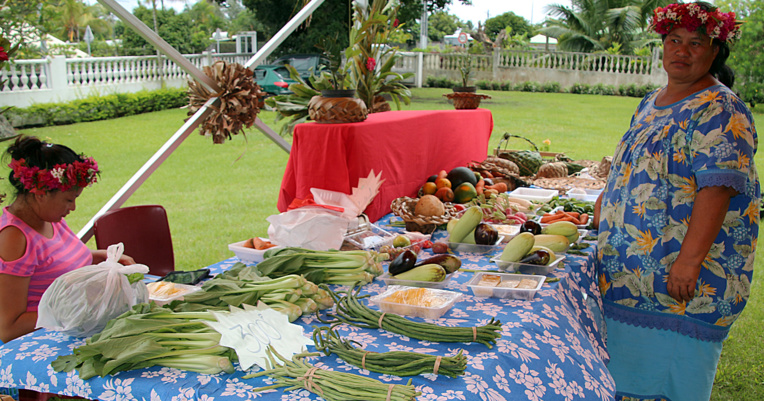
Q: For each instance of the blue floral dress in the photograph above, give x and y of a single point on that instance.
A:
(661, 348)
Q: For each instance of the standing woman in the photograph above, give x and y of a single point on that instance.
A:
(36, 245)
(679, 216)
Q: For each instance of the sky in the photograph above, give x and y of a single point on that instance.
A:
(534, 11)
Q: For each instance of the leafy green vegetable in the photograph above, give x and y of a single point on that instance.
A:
(330, 385)
(150, 335)
(350, 310)
(291, 294)
(330, 267)
(398, 363)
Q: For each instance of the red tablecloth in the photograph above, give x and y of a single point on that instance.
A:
(406, 146)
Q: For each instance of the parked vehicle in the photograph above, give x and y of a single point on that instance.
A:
(274, 79)
(305, 63)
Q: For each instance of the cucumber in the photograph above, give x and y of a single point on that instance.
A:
(449, 262)
(429, 272)
(466, 224)
(556, 243)
(518, 247)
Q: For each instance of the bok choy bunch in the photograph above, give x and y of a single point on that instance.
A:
(322, 267)
(291, 294)
(150, 335)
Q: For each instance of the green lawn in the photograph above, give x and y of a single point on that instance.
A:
(219, 194)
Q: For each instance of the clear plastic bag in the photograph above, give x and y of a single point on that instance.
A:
(80, 303)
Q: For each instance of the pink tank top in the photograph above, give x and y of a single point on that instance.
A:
(45, 259)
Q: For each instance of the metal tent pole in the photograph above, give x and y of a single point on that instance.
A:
(183, 132)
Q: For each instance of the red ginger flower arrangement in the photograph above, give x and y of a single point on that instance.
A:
(694, 17)
(61, 177)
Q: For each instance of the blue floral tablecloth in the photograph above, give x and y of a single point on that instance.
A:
(551, 348)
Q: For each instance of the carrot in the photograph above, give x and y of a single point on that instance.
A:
(479, 187)
(500, 187)
(549, 218)
(260, 244)
(584, 218)
(574, 214)
(573, 219)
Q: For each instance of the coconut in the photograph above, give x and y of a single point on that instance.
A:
(429, 205)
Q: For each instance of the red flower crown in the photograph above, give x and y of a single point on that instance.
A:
(712, 22)
(62, 176)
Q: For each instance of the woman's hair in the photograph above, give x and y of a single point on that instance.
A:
(719, 69)
(40, 154)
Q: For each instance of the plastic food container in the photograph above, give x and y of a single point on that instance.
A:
(527, 268)
(474, 248)
(372, 239)
(502, 288)
(440, 301)
(534, 194)
(390, 281)
(164, 292)
(248, 255)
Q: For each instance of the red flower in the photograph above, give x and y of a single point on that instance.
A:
(370, 64)
(3, 54)
(395, 23)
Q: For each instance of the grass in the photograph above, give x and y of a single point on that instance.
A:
(219, 194)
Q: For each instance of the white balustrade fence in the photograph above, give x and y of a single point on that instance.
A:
(58, 79)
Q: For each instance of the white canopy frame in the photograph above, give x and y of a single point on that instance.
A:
(184, 131)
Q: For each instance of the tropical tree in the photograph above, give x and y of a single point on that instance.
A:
(331, 17)
(441, 24)
(599, 25)
(72, 17)
(176, 29)
(747, 56)
(513, 23)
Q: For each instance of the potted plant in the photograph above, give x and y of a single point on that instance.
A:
(465, 69)
(465, 96)
(371, 64)
(337, 104)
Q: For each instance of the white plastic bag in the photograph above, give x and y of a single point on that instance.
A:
(80, 303)
(308, 227)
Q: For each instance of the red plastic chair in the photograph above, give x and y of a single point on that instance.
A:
(145, 232)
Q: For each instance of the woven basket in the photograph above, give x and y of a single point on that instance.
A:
(404, 208)
(465, 100)
(563, 184)
(337, 109)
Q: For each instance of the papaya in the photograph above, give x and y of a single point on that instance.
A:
(464, 193)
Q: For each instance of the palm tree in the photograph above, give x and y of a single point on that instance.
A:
(73, 16)
(598, 25)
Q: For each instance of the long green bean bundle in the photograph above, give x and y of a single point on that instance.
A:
(397, 363)
(349, 309)
(331, 385)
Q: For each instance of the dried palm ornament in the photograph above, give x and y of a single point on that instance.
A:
(239, 100)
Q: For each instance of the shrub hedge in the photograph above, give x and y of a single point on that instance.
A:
(632, 90)
(96, 108)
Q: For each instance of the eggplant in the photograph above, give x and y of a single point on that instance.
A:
(449, 262)
(485, 234)
(402, 263)
(538, 257)
(531, 226)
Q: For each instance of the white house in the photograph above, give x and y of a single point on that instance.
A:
(542, 42)
(458, 38)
